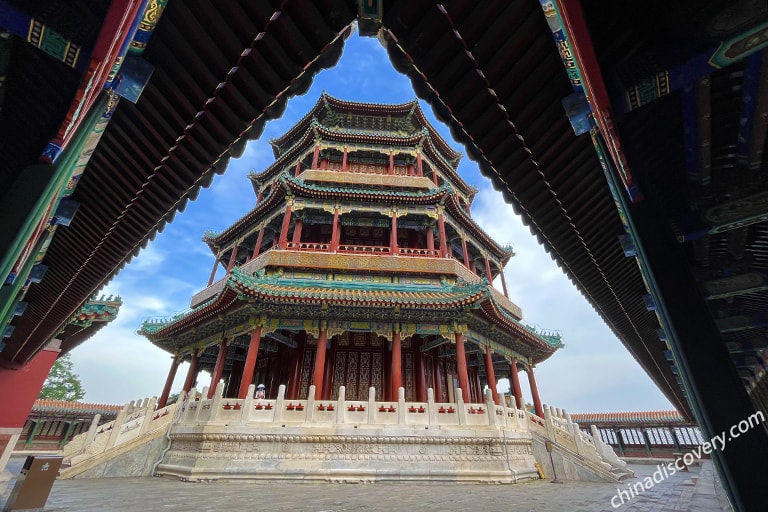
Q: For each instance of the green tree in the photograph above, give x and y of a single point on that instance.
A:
(62, 383)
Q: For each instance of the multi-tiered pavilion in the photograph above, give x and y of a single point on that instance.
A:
(360, 266)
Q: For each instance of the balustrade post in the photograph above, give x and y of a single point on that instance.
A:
(245, 412)
(431, 409)
(461, 410)
(549, 424)
(401, 406)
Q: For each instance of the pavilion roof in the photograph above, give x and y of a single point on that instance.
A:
(327, 102)
(630, 418)
(433, 145)
(275, 289)
(300, 188)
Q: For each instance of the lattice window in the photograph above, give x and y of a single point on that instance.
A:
(338, 374)
(351, 381)
(306, 372)
(632, 436)
(377, 374)
(365, 373)
(608, 436)
(688, 436)
(429, 372)
(659, 436)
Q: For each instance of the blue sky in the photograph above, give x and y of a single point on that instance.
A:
(593, 373)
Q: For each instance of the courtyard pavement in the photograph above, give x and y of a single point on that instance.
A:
(696, 491)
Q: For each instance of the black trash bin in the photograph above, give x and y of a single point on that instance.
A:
(34, 483)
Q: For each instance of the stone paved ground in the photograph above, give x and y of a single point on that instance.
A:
(696, 491)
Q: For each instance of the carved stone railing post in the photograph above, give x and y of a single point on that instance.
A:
(127, 409)
(245, 414)
(578, 440)
(310, 410)
(548, 423)
(490, 406)
(462, 412)
(148, 413)
(431, 409)
(401, 406)
(199, 409)
(371, 405)
(216, 403)
(280, 402)
(91, 433)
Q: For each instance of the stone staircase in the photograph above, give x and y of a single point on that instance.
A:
(131, 445)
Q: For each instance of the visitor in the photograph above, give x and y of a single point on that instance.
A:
(260, 391)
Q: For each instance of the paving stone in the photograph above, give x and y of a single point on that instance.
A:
(159, 494)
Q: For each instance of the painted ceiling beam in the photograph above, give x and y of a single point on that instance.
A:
(731, 286)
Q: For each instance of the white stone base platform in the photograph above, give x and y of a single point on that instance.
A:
(363, 441)
(349, 454)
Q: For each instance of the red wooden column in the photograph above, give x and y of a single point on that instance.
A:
(232, 258)
(344, 160)
(516, 390)
(419, 166)
(259, 196)
(298, 169)
(215, 267)
(491, 374)
(430, 238)
(284, 230)
(330, 355)
(259, 239)
(218, 369)
(503, 282)
(535, 392)
(464, 249)
(250, 362)
(294, 377)
(488, 274)
(393, 235)
(478, 387)
(391, 168)
(194, 366)
(461, 366)
(441, 231)
(438, 378)
(421, 378)
(316, 156)
(335, 231)
(297, 231)
(319, 373)
(396, 379)
(168, 382)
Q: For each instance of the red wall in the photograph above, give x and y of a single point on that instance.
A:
(21, 388)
